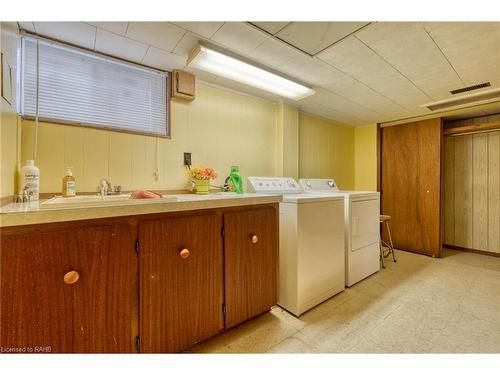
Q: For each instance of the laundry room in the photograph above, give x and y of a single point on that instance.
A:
(194, 185)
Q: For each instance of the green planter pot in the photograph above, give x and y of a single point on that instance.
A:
(201, 186)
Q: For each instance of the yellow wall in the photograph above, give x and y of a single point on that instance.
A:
(287, 146)
(8, 118)
(365, 157)
(220, 128)
(326, 150)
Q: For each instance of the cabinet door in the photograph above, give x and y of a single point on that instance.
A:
(181, 282)
(42, 310)
(251, 255)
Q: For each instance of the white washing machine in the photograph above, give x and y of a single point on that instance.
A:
(311, 251)
(362, 215)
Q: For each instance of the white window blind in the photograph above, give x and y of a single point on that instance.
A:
(81, 87)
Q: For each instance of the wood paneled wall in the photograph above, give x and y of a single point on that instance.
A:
(472, 191)
(472, 121)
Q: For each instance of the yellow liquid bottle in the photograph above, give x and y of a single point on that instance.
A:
(69, 184)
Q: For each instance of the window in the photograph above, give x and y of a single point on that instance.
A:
(81, 87)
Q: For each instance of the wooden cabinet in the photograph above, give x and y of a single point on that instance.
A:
(91, 310)
(251, 256)
(153, 283)
(183, 85)
(182, 286)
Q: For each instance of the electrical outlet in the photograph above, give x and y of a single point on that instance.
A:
(187, 159)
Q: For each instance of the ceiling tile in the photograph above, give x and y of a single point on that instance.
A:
(271, 27)
(78, 33)
(355, 59)
(318, 73)
(332, 115)
(357, 92)
(187, 43)
(273, 53)
(204, 29)
(308, 69)
(160, 59)
(162, 35)
(473, 48)
(239, 37)
(408, 47)
(313, 37)
(115, 45)
(29, 26)
(114, 27)
(382, 73)
(335, 102)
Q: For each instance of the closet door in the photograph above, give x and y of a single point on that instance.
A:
(411, 184)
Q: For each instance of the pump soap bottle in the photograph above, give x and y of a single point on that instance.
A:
(69, 184)
(30, 180)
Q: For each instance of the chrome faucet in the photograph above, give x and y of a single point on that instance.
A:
(27, 193)
(104, 187)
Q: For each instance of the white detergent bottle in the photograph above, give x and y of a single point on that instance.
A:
(30, 179)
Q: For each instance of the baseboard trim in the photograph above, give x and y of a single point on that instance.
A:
(483, 252)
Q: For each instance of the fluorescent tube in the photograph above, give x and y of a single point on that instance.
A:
(224, 65)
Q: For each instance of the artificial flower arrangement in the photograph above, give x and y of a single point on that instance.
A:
(201, 177)
(202, 173)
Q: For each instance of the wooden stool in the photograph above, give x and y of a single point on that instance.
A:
(384, 219)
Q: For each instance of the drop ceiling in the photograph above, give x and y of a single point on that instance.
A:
(363, 72)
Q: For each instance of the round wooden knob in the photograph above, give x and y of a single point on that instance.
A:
(71, 277)
(184, 253)
(254, 239)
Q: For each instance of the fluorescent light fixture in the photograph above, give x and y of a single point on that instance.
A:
(235, 68)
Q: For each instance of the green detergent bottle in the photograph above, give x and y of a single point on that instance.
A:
(234, 182)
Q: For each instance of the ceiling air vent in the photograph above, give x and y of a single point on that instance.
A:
(467, 100)
(470, 88)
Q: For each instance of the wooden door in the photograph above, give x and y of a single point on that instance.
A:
(181, 272)
(411, 185)
(250, 265)
(96, 314)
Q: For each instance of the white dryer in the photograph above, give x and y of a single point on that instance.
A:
(362, 214)
(311, 251)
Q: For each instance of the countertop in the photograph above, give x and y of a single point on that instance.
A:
(14, 214)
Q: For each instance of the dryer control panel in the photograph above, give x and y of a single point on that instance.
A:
(273, 185)
(318, 184)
